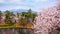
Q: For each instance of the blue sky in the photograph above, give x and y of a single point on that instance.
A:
(26, 4)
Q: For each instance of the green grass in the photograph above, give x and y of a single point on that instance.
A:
(15, 26)
(7, 26)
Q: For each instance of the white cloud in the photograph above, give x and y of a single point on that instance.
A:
(2, 1)
(26, 2)
(20, 1)
(14, 1)
(10, 1)
(41, 0)
(44, 0)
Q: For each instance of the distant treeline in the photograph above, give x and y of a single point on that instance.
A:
(9, 17)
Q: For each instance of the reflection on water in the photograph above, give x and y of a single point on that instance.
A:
(16, 31)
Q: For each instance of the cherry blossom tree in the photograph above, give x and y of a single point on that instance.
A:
(48, 21)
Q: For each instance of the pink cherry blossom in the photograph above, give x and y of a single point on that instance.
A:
(48, 20)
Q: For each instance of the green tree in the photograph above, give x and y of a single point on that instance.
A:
(18, 15)
(8, 17)
(27, 17)
(1, 15)
(31, 15)
(22, 19)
